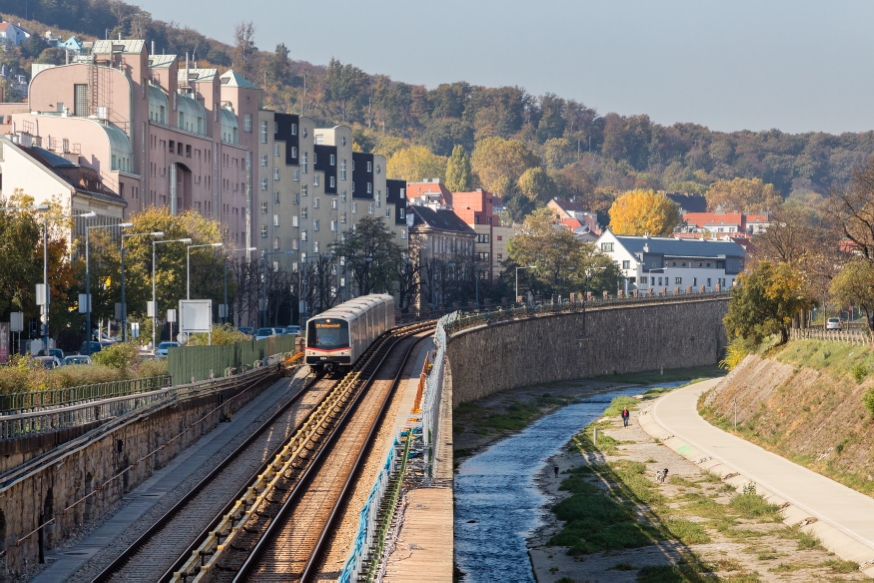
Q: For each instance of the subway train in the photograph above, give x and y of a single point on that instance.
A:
(338, 337)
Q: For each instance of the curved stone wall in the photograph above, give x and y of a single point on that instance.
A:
(543, 349)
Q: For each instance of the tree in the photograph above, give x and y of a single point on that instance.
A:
(765, 301)
(246, 56)
(441, 137)
(560, 260)
(344, 83)
(415, 164)
(644, 212)
(279, 67)
(852, 209)
(499, 163)
(536, 185)
(748, 195)
(459, 175)
(372, 256)
(854, 286)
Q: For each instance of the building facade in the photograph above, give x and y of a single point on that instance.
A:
(666, 263)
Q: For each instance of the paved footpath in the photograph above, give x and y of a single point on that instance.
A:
(844, 517)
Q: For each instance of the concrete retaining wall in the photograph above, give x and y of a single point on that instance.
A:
(38, 497)
(545, 349)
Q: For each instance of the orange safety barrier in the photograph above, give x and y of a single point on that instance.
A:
(293, 359)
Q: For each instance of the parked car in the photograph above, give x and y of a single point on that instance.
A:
(833, 324)
(263, 333)
(292, 330)
(164, 347)
(78, 359)
(48, 362)
(58, 353)
(90, 347)
(246, 330)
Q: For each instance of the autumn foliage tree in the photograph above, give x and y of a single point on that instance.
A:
(642, 212)
(765, 301)
(459, 174)
(415, 164)
(854, 286)
(747, 195)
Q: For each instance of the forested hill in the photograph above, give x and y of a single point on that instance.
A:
(581, 153)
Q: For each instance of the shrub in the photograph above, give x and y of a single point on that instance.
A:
(77, 376)
(859, 371)
(221, 334)
(737, 350)
(153, 368)
(124, 356)
(751, 505)
(868, 401)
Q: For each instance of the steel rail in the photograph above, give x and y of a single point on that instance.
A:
(155, 528)
(315, 558)
(319, 429)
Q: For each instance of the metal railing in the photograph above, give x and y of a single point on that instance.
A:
(16, 403)
(473, 319)
(51, 419)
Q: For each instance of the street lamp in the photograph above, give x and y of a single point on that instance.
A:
(517, 279)
(154, 287)
(247, 249)
(88, 278)
(188, 265)
(45, 273)
(154, 234)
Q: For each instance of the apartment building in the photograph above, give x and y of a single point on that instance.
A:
(312, 189)
(158, 132)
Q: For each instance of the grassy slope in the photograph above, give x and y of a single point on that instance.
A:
(802, 402)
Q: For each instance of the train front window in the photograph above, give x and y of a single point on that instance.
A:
(328, 334)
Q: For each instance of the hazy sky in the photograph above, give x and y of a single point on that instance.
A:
(796, 66)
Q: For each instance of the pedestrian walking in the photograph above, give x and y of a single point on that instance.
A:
(625, 416)
(555, 470)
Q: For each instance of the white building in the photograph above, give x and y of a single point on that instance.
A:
(665, 263)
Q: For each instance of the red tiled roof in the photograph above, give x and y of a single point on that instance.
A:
(704, 219)
(572, 224)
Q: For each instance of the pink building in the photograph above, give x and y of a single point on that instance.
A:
(157, 132)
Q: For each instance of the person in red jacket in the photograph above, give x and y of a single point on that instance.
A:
(625, 416)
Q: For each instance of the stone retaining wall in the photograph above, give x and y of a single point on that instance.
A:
(621, 339)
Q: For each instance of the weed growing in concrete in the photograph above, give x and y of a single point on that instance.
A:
(806, 540)
(751, 505)
(623, 566)
(686, 531)
(838, 566)
(695, 572)
(859, 371)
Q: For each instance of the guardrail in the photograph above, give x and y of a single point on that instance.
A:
(13, 403)
(470, 320)
(52, 419)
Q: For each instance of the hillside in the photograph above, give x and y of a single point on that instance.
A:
(587, 155)
(801, 402)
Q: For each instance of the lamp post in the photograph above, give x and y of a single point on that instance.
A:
(88, 278)
(154, 287)
(154, 234)
(517, 278)
(45, 273)
(225, 275)
(188, 265)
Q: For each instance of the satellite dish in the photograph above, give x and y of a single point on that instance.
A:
(182, 337)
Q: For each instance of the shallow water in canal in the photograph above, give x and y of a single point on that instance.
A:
(498, 504)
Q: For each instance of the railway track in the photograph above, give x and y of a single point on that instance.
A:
(155, 551)
(278, 529)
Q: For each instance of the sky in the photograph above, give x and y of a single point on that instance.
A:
(796, 66)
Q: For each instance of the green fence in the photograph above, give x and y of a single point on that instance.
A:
(18, 402)
(203, 362)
